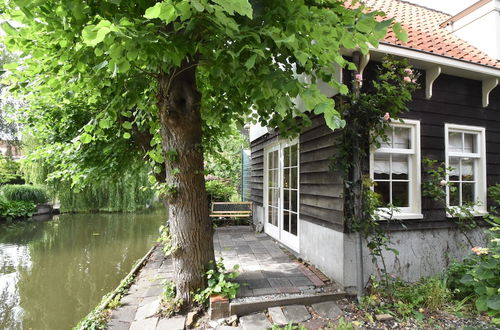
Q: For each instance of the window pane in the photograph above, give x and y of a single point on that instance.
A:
(275, 197)
(400, 194)
(293, 224)
(383, 189)
(270, 160)
(286, 221)
(454, 194)
(286, 156)
(400, 167)
(294, 155)
(286, 199)
(467, 169)
(275, 159)
(270, 196)
(293, 194)
(286, 178)
(455, 141)
(387, 143)
(381, 166)
(293, 178)
(402, 138)
(454, 173)
(468, 193)
(470, 143)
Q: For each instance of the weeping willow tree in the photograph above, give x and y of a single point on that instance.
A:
(125, 188)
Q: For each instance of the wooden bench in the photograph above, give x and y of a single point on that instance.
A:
(231, 210)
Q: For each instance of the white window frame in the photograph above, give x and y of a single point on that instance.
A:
(414, 210)
(288, 239)
(479, 168)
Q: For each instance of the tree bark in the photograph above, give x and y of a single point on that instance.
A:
(181, 132)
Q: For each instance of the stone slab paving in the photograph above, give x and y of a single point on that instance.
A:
(265, 267)
(277, 316)
(327, 309)
(256, 321)
(140, 305)
(296, 313)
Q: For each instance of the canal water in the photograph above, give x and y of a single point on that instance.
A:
(54, 273)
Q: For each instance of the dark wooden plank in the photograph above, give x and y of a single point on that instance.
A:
(322, 190)
(333, 203)
(320, 178)
(318, 143)
(328, 215)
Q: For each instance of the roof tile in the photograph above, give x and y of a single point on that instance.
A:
(425, 34)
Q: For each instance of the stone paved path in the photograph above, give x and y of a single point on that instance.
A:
(265, 268)
(142, 301)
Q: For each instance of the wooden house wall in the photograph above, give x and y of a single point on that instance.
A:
(320, 189)
(454, 101)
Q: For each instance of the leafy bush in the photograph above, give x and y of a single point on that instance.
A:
(218, 283)
(481, 278)
(456, 270)
(219, 191)
(16, 210)
(25, 193)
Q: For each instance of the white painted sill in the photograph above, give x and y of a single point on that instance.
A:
(400, 215)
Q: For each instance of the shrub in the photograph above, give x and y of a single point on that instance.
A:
(25, 193)
(219, 191)
(16, 210)
(482, 269)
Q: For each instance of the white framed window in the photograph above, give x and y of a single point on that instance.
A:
(395, 169)
(465, 151)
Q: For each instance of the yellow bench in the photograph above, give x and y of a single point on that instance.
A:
(231, 210)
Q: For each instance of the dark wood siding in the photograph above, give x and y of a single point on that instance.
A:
(320, 189)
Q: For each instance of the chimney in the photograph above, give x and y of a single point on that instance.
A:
(479, 25)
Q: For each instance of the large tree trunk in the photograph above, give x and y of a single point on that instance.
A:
(190, 226)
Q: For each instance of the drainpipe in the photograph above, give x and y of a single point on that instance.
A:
(356, 177)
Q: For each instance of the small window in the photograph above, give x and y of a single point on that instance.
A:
(395, 169)
(466, 158)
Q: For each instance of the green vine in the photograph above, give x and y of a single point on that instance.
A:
(368, 111)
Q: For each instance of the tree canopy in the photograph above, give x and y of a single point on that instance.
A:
(158, 80)
(102, 59)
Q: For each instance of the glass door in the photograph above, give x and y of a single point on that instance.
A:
(282, 193)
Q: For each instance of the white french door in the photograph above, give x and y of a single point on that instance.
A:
(281, 192)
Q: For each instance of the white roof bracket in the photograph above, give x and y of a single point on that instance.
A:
(431, 75)
(363, 62)
(488, 85)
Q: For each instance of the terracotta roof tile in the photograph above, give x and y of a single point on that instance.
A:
(425, 34)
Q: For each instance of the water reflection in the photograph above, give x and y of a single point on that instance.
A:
(53, 273)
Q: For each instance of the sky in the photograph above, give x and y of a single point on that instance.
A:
(451, 7)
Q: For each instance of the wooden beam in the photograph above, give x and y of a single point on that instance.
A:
(430, 76)
(488, 85)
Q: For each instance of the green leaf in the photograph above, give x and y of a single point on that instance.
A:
(241, 7)
(162, 10)
(250, 62)
(154, 12)
(104, 123)
(126, 135)
(400, 32)
(481, 304)
(197, 5)
(85, 138)
(493, 302)
(127, 125)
